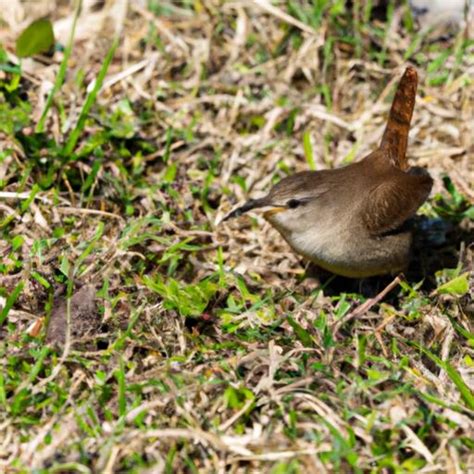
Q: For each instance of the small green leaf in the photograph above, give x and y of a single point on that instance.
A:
(188, 300)
(17, 242)
(470, 213)
(376, 375)
(457, 197)
(40, 279)
(170, 173)
(302, 334)
(64, 267)
(38, 37)
(236, 398)
(458, 286)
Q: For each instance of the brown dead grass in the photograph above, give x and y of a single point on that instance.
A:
(220, 72)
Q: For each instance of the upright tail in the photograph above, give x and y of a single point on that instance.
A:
(395, 138)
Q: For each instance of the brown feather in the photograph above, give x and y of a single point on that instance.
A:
(395, 138)
(395, 200)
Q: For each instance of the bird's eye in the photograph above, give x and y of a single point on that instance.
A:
(292, 203)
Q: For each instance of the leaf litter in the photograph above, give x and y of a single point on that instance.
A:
(205, 104)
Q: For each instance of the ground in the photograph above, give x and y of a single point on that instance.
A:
(200, 346)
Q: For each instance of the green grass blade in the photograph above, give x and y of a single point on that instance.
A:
(122, 386)
(89, 248)
(308, 150)
(61, 74)
(10, 301)
(89, 102)
(460, 330)
(453, 374)
(302, 334)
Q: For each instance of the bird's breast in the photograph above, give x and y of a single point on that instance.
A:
(350, 251)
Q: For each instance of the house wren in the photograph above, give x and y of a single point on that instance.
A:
(355, 221)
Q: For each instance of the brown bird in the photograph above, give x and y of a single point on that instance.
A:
(355, 221)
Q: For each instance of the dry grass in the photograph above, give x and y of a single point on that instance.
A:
(214, 350)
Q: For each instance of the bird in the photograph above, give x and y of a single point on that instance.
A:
(355, 221)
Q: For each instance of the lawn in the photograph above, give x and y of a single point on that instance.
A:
(138, 332)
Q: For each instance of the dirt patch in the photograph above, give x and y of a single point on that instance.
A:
(84, 318)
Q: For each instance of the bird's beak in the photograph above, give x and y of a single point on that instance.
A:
(248, 206)
(273, 210)
(255, 204)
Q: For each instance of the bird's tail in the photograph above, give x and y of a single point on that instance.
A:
(395, 137)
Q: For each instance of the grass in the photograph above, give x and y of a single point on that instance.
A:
(212, 347)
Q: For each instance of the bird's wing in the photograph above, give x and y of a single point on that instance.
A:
(395, 200)
(395, 138)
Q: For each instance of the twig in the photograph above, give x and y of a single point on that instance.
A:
(23, 195)
(363, 308)
(78, 210)
(130, 71)
(269, 8)
(228, 423)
